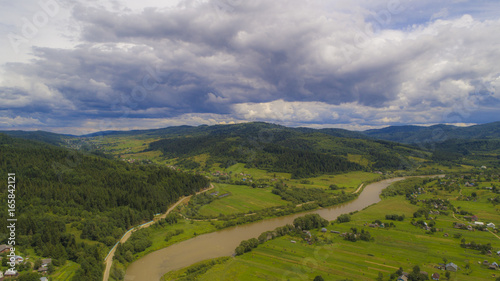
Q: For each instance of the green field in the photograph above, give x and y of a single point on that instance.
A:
(350, 181)
(402, 246)
(239, 168)
(242, 199)
(66, 272)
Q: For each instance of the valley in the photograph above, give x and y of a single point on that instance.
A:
(261, 173)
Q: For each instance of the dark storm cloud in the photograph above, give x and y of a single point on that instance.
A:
(280, 59)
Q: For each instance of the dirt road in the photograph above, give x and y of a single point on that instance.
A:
(109, 258)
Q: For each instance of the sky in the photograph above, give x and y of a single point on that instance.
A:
(78, 67)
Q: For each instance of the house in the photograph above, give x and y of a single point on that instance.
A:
(10, 273)
(493, 266)
(46, 262)
(293, 241)
(43, 269)
(490, 225)
(338, 232)
(44, 279)
(402, 278)
(435, 276)
(324, 230)
(19, 259)
(478, 223)
(451, 267)
(4, 248)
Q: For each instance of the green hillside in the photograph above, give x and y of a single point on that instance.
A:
(303, 153)
(74, 206)
(436, 133)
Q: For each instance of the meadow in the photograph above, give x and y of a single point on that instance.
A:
(404, 245)
(244, 198)
(241, 199)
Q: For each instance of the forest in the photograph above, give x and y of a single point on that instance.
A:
(64, 196)
(301, 152)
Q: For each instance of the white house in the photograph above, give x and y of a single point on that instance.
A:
(19, 259)
(491, 225)
(478, 223)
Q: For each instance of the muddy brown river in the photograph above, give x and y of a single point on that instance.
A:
(222, 243)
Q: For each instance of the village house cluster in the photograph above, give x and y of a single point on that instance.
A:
(18, 260)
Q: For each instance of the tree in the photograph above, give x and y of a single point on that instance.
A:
(334, 187)
(38, 263)
(343, 218)
(31, 276)
(380, 276)
(448, 275)
(50, 268)
(318, 278)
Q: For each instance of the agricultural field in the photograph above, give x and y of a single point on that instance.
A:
(404, 245)
(228, 199)
(349, 182)
(240, 199)
(239, 171)
(66, 272)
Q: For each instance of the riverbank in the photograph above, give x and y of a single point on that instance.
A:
(222, 243)
(108, 261)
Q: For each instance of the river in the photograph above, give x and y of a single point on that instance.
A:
(222, 243)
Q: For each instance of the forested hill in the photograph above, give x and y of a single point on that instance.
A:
(436, 133)
(63, 196)
(302, 152)
(47, 137)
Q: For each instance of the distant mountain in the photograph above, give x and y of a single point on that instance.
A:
(42, 136)
(436, 133)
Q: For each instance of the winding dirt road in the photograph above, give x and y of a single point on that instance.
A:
(109, 258)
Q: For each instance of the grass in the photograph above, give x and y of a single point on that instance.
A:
(403, 246)
(349, 181)
(445, 169)
(242, 199)
(239, 168)
(66, 272)
(360, 159)
(191, 229)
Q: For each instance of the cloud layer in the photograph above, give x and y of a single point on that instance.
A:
(296, 62)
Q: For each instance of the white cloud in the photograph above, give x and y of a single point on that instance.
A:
(18, 121)
(306, 62)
